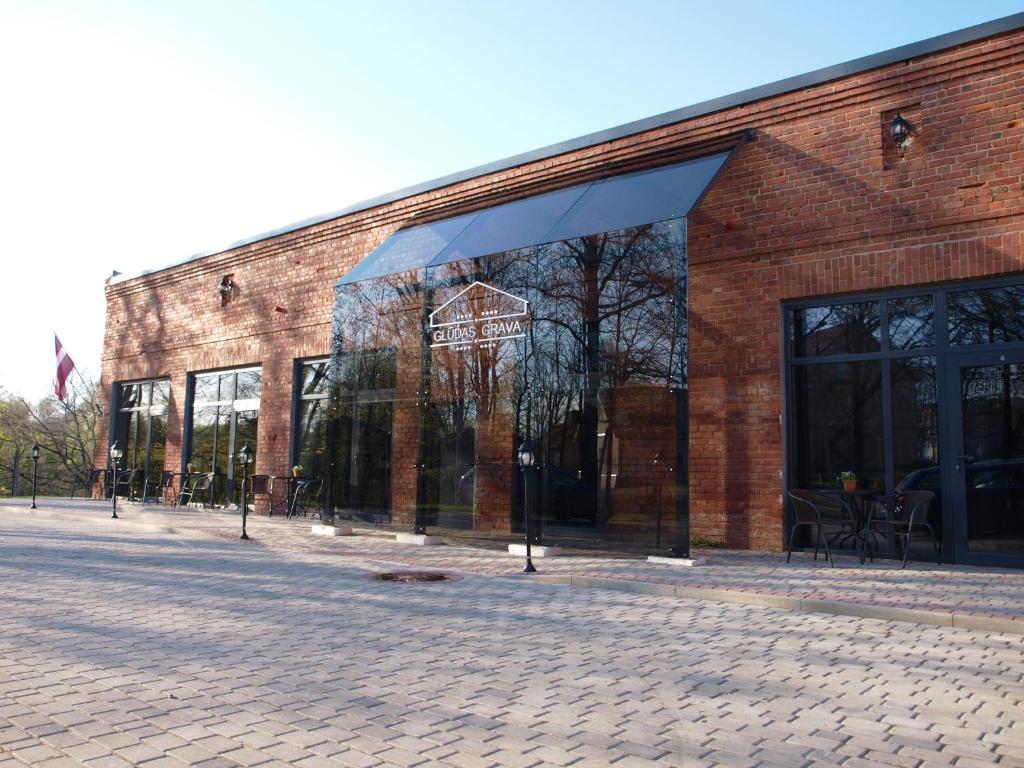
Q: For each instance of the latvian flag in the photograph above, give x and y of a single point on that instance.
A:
(65, 365)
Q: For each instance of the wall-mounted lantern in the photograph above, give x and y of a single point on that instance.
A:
(900, 129)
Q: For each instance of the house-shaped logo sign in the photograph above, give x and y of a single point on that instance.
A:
(479, 314)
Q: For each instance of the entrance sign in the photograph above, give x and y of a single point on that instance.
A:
(479, 315)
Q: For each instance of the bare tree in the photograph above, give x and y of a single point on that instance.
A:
(64, 431)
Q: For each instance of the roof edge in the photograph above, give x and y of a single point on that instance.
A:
(779, 87)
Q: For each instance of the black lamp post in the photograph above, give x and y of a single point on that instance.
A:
(525, 463)
(115, 459)
(245, 459)
(35, 469)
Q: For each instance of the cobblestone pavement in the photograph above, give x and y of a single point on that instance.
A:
(124, 647)
(989, 598)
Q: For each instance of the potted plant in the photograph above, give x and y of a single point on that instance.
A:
(190, 467)
(297, 470)
(849, 480)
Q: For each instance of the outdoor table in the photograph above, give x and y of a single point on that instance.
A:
(886, 502)
(291, 484)
(861, 503)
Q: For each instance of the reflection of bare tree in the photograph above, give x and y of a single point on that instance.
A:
(993, 410)
(987, 316)
(607, 314)
(837, 329)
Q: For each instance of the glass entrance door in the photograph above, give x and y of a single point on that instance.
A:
(988, 464)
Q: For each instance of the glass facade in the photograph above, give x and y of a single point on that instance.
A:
(140, 429)
(224, 417)
(439, 373)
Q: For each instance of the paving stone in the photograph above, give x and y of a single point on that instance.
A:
(343, 671)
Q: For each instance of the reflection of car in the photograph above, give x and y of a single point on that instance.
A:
(562, 495)
(994, 487)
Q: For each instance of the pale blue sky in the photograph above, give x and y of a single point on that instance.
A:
(135, 134)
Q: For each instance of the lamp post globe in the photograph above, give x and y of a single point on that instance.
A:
(526, 459)
(35, 470)
(115, 458)
(245, 459)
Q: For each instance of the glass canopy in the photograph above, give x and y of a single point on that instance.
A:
(606, 204)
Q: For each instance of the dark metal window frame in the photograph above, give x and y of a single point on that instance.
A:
(941, 350)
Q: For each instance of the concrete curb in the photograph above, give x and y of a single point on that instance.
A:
(810, 605)
(980, 623)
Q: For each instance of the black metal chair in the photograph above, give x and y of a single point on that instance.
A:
(193, 484)
(261, 485)
(95, 476)
(821, 512)
(307, 494)
(159, 486)
(904, 512)
(126, 481)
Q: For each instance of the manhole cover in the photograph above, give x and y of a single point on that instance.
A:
(406, 577)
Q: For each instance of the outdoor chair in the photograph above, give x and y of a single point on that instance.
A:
(126, 482)
(823, 514)
(261, 485)
(95, 476)
(306, 498)
(159, 486)
(902, 514)
(195, 484)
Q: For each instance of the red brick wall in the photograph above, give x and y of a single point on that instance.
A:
(817, 204)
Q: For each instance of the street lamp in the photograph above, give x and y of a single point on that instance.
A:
(35, 469)
(115, 458)
(245, 458)
(525, 463)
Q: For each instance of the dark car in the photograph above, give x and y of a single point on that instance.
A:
(995, 494)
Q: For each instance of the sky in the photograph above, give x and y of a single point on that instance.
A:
(136, 134)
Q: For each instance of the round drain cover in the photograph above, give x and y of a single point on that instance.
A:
(406, 577)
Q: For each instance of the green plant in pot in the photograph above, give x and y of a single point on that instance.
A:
(849, 480)
(297, 470)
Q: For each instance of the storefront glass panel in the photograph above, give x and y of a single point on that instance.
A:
(911, 322)
(992, 399)
(839, 424)
(908, 402)
(595, 377)
(140, 430)
(987, 315)
(836, 329)
(224, 417)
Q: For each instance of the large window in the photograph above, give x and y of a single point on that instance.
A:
(347, 441)
(310, 432)
(224, 417)
(596, 380)
(141, 429)
(863, 393)
(866, 378)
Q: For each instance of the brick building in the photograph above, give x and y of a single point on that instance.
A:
(686, 316)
